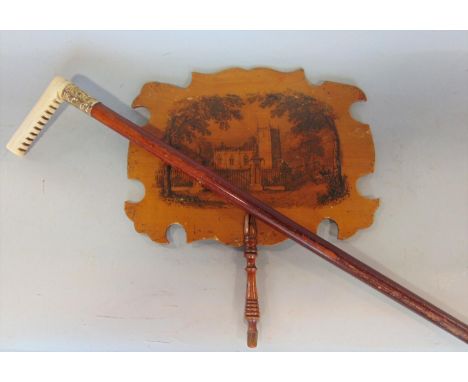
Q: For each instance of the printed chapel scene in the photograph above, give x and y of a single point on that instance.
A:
(282, 147)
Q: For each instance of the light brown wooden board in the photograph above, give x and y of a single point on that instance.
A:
(291, 144)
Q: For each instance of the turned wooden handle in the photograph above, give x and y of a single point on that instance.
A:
(252, 309)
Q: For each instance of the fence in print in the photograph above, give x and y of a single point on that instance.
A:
(240, 178)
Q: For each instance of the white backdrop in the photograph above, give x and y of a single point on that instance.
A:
(74, 275)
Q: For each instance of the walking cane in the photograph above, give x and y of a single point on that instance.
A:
(61, 90)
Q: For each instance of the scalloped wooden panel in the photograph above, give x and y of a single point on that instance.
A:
(292, 144)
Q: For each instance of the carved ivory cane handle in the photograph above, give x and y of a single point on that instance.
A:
(59, 90)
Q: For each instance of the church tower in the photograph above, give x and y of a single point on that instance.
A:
(264, 147)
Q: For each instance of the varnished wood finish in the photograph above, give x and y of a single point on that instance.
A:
(207, 178)
(294, 145)
(252, 309)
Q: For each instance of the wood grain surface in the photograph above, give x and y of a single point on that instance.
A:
(290, 144)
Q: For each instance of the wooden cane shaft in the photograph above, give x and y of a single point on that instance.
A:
(209, 179)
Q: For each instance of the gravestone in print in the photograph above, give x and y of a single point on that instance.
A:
(291, 144)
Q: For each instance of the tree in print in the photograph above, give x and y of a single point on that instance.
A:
(191, 118)
(308, 117)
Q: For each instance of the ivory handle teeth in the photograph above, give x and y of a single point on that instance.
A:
(43, 110)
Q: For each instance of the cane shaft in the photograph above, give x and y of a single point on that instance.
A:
(209, 179)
